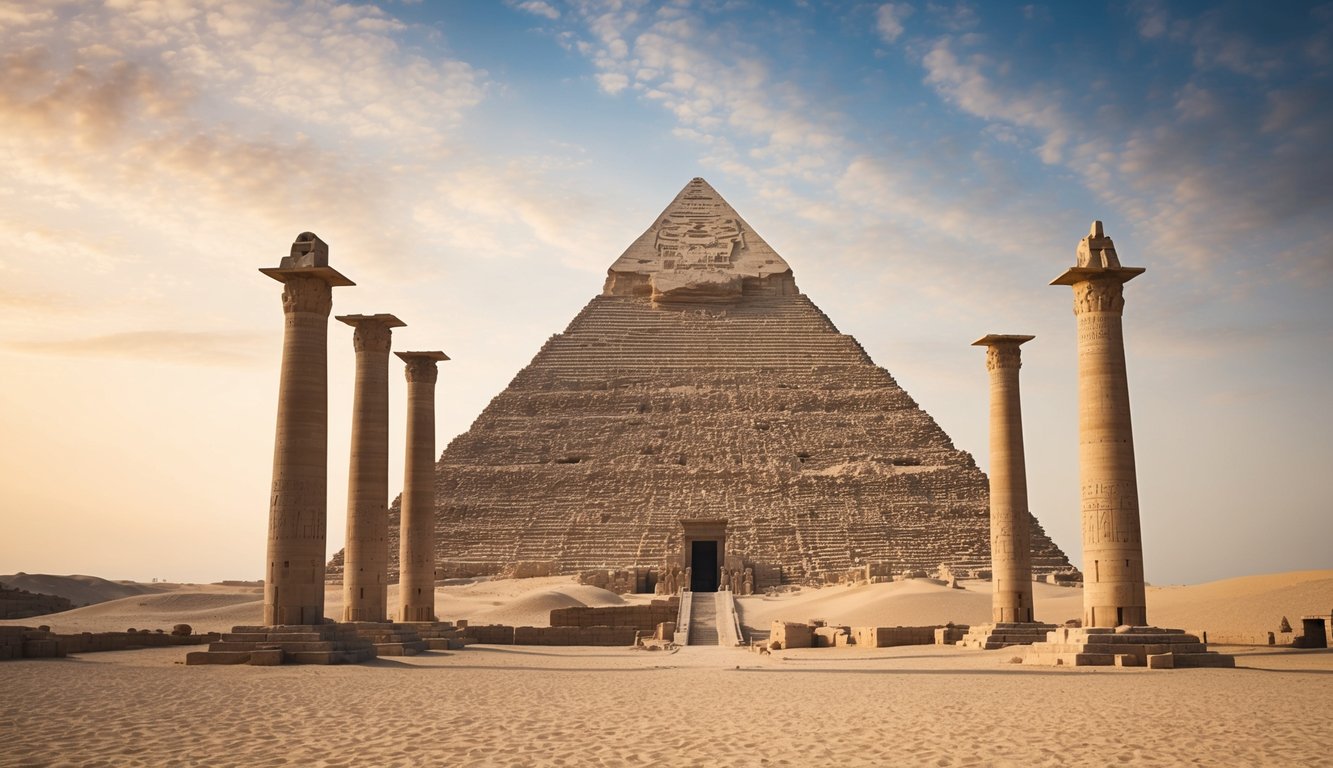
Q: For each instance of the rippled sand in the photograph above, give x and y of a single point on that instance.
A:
(609, 707)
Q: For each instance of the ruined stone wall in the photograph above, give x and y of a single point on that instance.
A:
(759, 412)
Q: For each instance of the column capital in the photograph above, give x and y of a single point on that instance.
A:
(421, 365)
(1097, 277)
(1002, 349)
(309, 257)
(302, 293)
(373, 332)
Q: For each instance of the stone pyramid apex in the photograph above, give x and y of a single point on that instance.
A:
(699, 249)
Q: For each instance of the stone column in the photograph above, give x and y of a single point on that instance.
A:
(416, 532)
(1010, 540)
(298, 512)
(366, 557)
(1113, 591)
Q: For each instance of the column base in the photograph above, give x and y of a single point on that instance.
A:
(987, 637)
(391, 638)
(287, 644)
(1125, 646)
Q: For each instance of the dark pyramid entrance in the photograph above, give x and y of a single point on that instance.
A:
(705, 567)
(702, 384)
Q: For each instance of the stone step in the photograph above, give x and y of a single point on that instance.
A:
(410, 648)
(194, 658)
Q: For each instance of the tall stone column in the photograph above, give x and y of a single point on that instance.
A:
(1113, 590)
(366, 556)
(416, 533)
(1010, 539)
(298, 512)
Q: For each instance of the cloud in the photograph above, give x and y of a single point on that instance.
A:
(1208, 178)
(889, 20)
(181, 347)
(199, 119)
(539, 8)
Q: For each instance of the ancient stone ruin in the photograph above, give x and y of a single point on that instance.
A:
(702, 385)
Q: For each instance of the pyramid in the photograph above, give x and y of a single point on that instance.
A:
(702, 384)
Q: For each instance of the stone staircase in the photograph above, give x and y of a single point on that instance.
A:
(987, 637)
(703, 619)
(290, 644)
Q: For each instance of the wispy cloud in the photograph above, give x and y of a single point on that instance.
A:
(182, 347)
(889, 19)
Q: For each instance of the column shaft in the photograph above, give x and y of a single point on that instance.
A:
(1112, 545)
(416, 558)
(294, 577)
(1011, 548)
(366, 557)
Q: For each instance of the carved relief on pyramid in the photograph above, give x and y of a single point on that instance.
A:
(699, 251)
(667, 400)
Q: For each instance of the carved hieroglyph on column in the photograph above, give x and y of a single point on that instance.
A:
(366, 565)
(1010, 539)
(298, 512)
(1113, 590)
(416, 534)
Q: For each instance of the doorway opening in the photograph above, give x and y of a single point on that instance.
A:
(703, 566)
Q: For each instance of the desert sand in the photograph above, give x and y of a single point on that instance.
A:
(509, 705)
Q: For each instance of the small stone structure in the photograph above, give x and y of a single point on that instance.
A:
(41, 643)
(887, 637)
(580, 625)
(1314, 631)
(636, 616)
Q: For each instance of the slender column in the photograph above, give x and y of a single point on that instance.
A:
(298, 512)
(416, 534)
(1113, 590)
(366, 557)
(1010, 539)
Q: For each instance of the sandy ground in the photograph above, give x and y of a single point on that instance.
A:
(516, 706)
(509, 706)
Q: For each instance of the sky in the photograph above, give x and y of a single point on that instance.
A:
(925, 167)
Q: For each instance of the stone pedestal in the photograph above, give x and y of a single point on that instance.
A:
(1125, 646)
(987, 637)
(366, 563)
(287, 644)
(294, 571)
(416, 536)
(1010, 540)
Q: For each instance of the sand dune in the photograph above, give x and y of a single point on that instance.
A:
(80, 590)
(1248, 604)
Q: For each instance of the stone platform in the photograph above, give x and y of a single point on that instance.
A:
(287, 644)
(438, 635)
(391, 638)
(988, 637)
(1126, 646)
